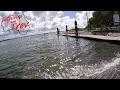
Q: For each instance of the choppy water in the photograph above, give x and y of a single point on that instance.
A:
(48, 56)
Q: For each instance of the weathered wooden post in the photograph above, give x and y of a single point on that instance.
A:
(58, 31)
(76, 30)
(66, 29)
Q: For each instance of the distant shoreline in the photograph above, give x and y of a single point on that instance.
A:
(22, 36)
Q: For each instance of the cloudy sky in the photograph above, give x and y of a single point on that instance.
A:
(48, 21)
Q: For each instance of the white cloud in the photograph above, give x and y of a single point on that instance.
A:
(50, 20)
(82, 18)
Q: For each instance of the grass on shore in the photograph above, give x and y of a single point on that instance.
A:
(79, 29)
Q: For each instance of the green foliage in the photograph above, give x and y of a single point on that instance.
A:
(79, 29)
(100, 19)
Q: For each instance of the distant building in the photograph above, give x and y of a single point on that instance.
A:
(116, 19)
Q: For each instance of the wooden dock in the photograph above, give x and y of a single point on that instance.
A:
(97, 37)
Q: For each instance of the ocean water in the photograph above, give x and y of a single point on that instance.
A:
(48, 56)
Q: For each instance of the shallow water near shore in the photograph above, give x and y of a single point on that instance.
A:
(48, 56)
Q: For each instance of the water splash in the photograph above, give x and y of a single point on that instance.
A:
(86, 71)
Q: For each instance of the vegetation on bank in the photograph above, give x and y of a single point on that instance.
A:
(101, 19)
(79, 29)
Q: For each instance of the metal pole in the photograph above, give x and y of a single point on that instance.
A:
(118, 22)
(87, 19)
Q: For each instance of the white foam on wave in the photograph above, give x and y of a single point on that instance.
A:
(83, 71)
(87, 71)
(107, 66)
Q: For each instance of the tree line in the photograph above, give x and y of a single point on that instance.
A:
(101, 19)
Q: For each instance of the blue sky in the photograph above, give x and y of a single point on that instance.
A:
(70, 13)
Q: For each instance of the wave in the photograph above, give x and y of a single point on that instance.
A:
(104, 70)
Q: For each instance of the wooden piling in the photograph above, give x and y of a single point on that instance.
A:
(76, 30)
(66, 29)
(58, 31)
